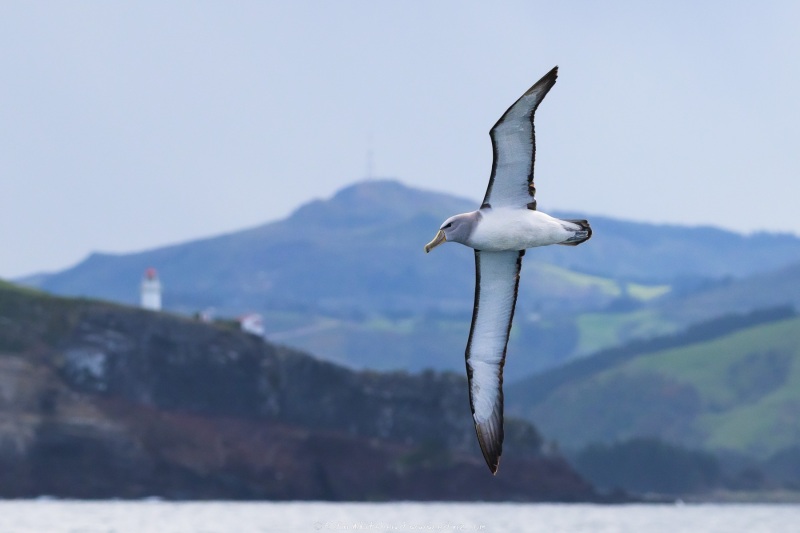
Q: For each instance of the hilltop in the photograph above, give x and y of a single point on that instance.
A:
(99, 400)
(335, 254)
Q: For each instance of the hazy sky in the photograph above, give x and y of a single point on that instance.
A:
(131, 125)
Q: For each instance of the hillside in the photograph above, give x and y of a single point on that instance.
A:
(680, 308)
(764, 289)
(361, 251)
(346, 278)
(735, 390)
(99, 400)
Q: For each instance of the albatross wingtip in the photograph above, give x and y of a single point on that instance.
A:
(548, 80)
(490, 438)
(492, 461)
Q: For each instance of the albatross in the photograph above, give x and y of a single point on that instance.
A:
(506, 224)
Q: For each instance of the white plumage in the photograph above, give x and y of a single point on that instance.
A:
(498, 291)
(506, 228)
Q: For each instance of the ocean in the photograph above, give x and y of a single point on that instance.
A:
(59, 516)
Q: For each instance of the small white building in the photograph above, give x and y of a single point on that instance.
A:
(150, 291)
(252, 323)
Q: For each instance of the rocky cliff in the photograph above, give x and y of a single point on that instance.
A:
(99, 400)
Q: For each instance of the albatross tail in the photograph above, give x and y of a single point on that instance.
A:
(583, 232)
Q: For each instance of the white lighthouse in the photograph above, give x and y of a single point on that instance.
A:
(151, 290)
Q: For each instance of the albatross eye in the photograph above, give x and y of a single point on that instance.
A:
(447, 225)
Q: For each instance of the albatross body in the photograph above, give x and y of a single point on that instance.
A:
(506, 224)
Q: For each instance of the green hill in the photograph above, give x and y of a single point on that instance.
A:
(739, 391)
(680, 307)
(436, 339)
(764, 289)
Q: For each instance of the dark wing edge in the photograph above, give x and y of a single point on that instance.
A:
(539, 90)
(490, 437)
(489, 428)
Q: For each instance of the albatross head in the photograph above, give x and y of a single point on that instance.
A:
(455, 229)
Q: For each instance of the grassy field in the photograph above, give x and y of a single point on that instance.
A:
(580, 282)
(604, 330)
(748, 383)
(739, 392)
(415, 341)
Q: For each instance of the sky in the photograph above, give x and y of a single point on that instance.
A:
(132, 125)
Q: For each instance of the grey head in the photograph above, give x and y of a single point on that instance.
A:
(457, 228)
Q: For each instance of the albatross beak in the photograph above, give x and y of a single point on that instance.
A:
(439, 239)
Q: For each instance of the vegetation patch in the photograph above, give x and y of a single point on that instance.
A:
(647, 465)
(598, 331)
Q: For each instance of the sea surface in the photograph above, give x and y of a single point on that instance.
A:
(59, 516)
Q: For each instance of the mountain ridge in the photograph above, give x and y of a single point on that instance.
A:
(346, 278)
(385, 203)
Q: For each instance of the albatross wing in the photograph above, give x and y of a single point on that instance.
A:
(496, 284)
(514, 147)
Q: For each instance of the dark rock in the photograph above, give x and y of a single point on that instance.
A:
(100, 401)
